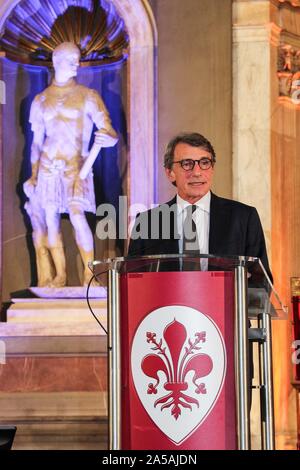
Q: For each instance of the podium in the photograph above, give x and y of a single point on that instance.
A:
(179, 350)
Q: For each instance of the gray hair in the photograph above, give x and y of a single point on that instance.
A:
(191, 138)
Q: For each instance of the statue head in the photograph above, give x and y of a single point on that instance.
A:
(65, 60)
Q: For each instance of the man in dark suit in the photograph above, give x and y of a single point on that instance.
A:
(224, 227)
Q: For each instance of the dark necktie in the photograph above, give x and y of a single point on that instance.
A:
(190, 239)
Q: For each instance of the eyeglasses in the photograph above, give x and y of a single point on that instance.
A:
(188, 164)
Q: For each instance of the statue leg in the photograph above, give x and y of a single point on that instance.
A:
(84, 239)
(40, 242)
(55, 243)
(43, 260)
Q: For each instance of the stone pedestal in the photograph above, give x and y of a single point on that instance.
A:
(53, 373)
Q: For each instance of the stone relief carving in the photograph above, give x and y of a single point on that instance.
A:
(294, 3)
(288, 72)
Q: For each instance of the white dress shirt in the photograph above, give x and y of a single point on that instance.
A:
(201, 219)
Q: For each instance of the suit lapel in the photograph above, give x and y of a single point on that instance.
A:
(172, 243)
(220, 216)
(219, 220)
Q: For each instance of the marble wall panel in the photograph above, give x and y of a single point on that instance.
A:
(53, 374)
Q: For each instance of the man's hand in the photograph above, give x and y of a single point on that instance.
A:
(105, 140)
(29, 187)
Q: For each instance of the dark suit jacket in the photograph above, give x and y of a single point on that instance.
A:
(235, 229)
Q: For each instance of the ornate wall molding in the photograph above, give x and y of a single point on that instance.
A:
(256, 33)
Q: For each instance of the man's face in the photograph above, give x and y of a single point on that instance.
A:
(192, 185)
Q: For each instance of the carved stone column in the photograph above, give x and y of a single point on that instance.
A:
(255, 40)
(285, 169)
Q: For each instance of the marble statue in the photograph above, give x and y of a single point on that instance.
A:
(62, 119)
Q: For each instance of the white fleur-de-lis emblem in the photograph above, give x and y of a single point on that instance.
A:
(178, 364)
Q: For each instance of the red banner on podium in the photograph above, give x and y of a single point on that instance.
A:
(177, 361)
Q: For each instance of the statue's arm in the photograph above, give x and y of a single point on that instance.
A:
(105, 136)
(38, 129)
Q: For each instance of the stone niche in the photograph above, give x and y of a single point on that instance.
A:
(114, 31)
